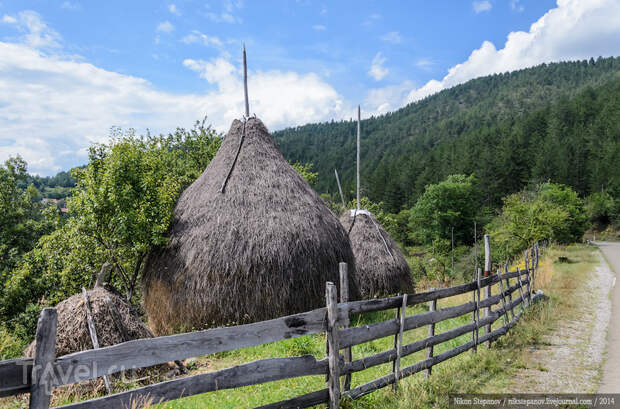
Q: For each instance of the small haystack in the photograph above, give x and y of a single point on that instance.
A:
(250, 241)
(381, 268)
(114, 319)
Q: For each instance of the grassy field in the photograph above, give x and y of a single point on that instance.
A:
(489, 370)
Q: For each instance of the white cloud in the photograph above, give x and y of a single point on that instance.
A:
(36, 33)
(174, 9)
(480, 6)
(574, 30)
(165, 27)
(393, 37)
(53, 107)
(70, 6)
(196, 37)
(9, 19)
(319, 27)
(228, 14)
(372, 19)
(425, 63)
(515, 5)
(386, 99)
(377, 70)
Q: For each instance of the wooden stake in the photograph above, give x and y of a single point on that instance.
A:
(512, 310)
(245, 83)
(523, 300)
(44, 355)
(431, 333)
(358, 156)
(344, 297)
(93, 333)
(399, 346)
(344, 206)
(397, 319)
(487, 289)
(333, 384)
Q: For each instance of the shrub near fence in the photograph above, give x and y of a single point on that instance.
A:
(40, 375)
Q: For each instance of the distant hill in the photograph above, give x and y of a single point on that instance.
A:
(558, 122)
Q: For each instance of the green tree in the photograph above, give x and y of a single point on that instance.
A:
(565, 198)
(23, 218)
(305, 170)
(524, 220)
(601, 209)
(453, 203)
(125, 197)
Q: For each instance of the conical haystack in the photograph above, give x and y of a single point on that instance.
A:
(114, 319)
(262, 248)
(381, 268)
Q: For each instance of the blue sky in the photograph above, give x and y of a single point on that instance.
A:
(69, 70)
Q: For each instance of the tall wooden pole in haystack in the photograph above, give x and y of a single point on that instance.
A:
(344, 206)
(358, 157)
(245, 83)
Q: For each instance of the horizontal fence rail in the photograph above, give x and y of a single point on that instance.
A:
(16, 376)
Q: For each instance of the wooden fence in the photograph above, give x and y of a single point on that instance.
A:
(39, 376)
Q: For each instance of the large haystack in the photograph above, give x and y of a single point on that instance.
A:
(115, 322)
(262, 248)
(381, 268)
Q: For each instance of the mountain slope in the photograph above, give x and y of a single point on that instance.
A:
(557, 121)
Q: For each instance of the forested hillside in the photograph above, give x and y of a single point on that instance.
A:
(557, 122)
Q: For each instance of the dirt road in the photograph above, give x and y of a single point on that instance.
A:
(610, 383)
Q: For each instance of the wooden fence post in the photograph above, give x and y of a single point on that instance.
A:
(431, 333)
(512, 310)
(45, 351)
(344, 297)
(528, 276)
(503, 297)
(333, 383)
(475, 315)
(93, 333)
(487, 289)
(521, 291)
(399, 343)
(397, 319)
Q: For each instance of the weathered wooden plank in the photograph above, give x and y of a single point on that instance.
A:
(359, 335)
(344, 297)
(103, 361)
(93, 333)
(333, 383)
(303, 401)
(381, 304)
(253, 373)
(387, 356)
(431, 334)
(42, 374)
(15, 376)
(410, 370)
